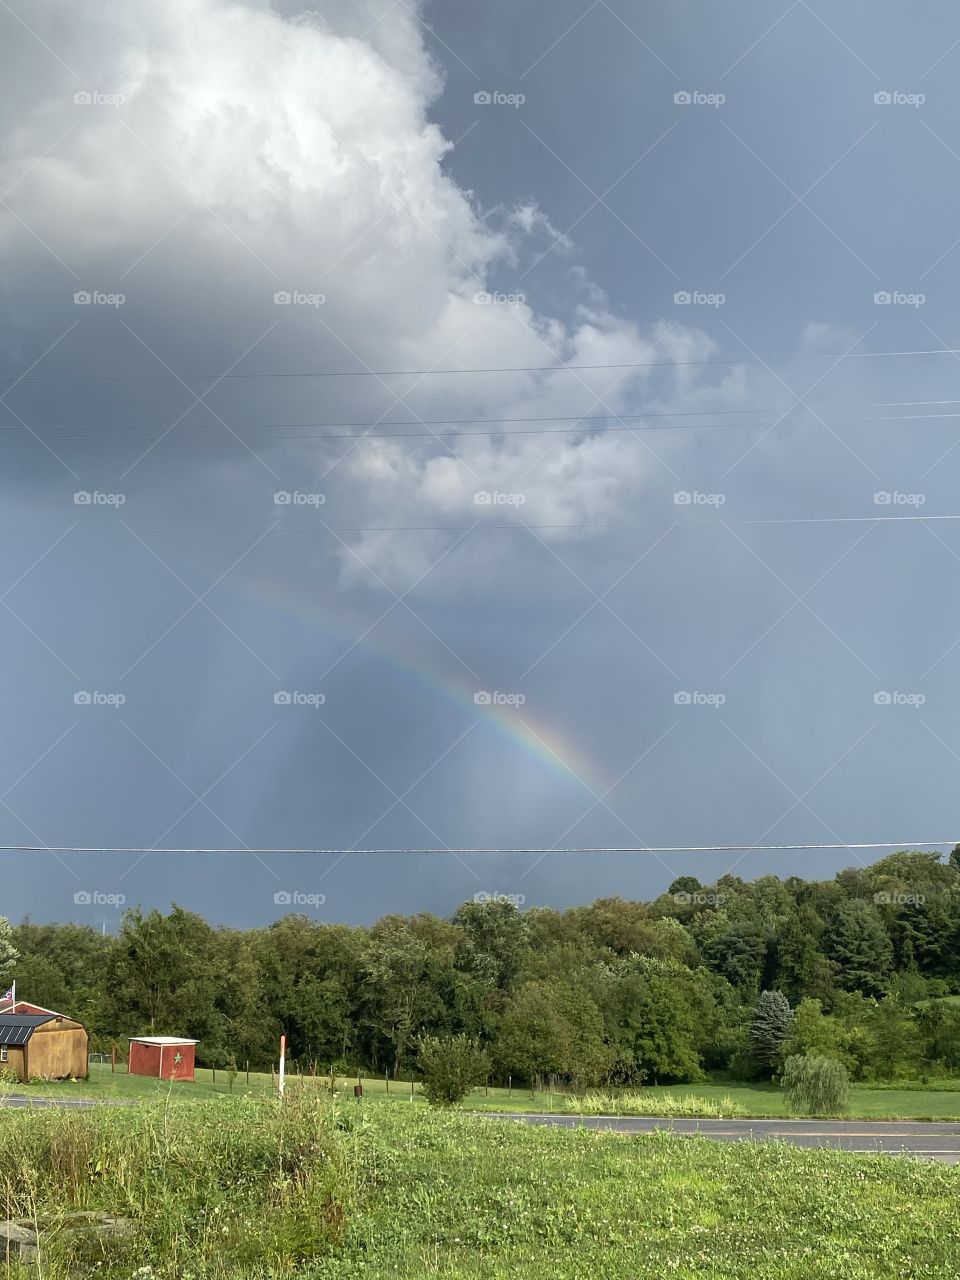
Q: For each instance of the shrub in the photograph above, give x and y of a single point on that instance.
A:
(816, 1086)
(451, 1066)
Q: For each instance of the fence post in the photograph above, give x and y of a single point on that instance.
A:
(509, 1086)
(248, 1073)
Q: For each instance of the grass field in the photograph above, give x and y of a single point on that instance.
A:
(330, 1191)
(903, 1101)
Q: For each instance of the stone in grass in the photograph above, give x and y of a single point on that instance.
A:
(17, 1243)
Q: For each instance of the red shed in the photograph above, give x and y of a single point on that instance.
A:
(163, 1057)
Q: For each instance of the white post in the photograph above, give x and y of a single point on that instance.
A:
(283, 1061)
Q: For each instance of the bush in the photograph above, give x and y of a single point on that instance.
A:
(451, 1066)
(816, 1086)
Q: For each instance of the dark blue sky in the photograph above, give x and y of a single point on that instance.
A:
(251, 189)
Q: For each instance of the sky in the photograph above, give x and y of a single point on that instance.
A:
(438, 427)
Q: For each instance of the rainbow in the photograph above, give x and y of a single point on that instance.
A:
(516, 725)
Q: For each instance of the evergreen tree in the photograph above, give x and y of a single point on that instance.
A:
(861, 948)
(770, 1029)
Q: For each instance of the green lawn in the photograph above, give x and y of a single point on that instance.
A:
(223, 1188)
(463, 1200)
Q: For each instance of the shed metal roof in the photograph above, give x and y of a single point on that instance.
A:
(162, 1040)
(17, 1028)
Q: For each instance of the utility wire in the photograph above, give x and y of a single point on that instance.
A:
(669, 848)
(304, 430)
(422, 373)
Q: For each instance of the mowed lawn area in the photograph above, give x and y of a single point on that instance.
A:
(320, 1190)
(900, 1101)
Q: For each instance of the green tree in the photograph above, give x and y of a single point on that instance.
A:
(534, 1037)
(739, 955)
(551, 1027)
(313, 980)
(860, 947)
(451, 1067)
(816, 1086)
(896, 1047)
(495, 940)
(770, 1029)
(162, 978)
(685, 884)
(8, 952)
(657, 1012)
(812, 1032)
(398, 996)
(803, 969)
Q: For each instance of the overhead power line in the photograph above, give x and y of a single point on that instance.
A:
(423, 373)
(320, 430)
(663, 848)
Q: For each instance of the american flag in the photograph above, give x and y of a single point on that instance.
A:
(9, 994)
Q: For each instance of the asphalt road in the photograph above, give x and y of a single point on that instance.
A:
(930, 1141)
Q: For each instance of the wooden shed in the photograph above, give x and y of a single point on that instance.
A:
(43, 1046)
(163, 1057)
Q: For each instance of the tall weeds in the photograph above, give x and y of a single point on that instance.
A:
(226, 1187)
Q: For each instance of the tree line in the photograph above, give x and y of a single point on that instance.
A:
(729, 979)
